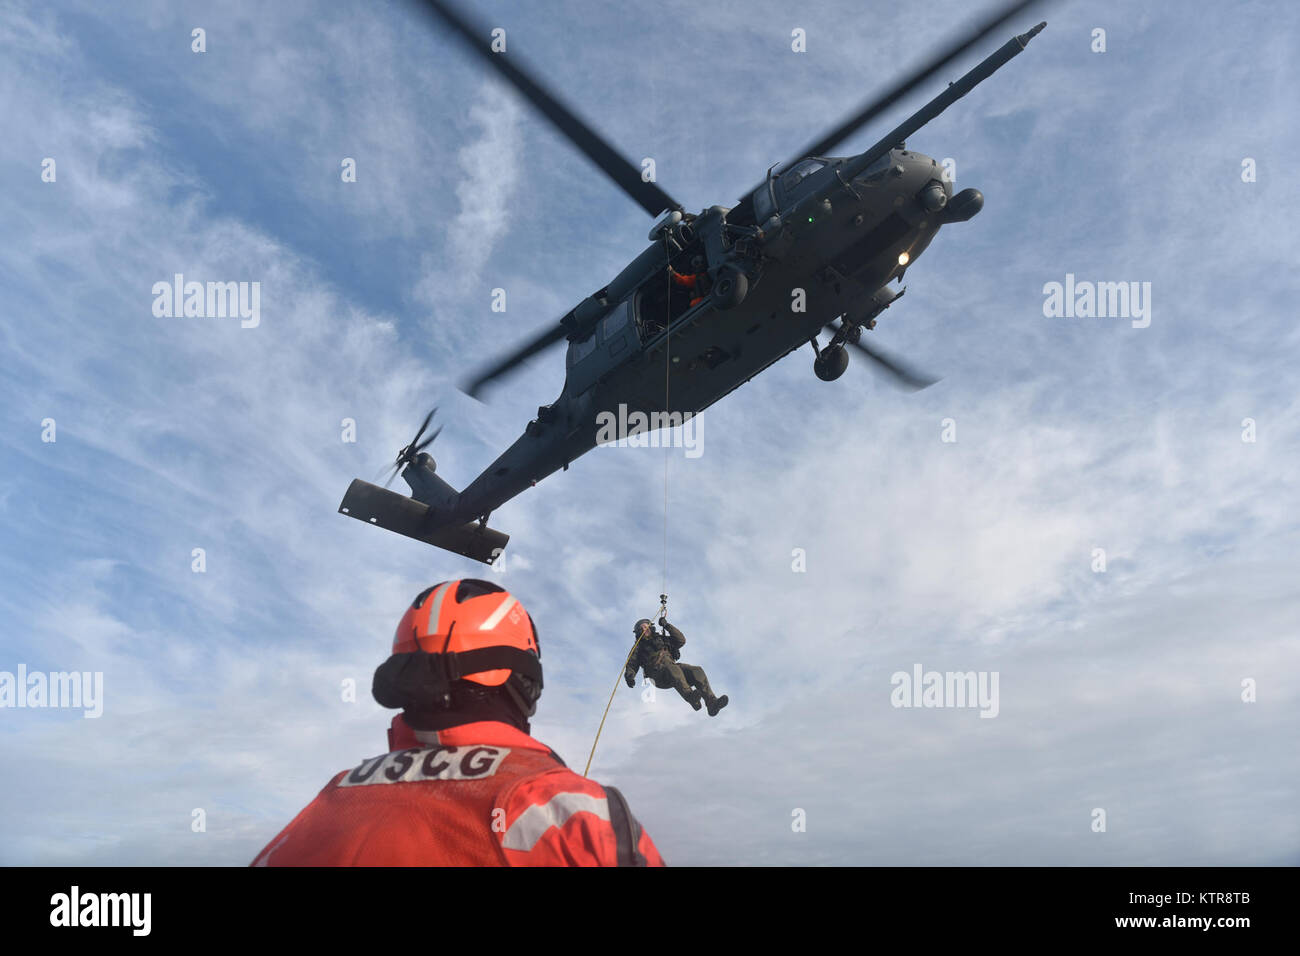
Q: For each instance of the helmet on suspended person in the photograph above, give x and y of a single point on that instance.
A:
(462, 645)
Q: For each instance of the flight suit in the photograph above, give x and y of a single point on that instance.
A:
(658, 655)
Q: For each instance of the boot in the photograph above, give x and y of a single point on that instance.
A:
(716, 704)
(694, 699)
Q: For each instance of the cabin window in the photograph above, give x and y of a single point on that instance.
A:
(580, 350)
(764, 208)
(617, 319)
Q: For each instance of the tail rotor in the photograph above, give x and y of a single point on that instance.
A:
(408, 454)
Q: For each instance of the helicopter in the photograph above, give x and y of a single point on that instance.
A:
(713, 300)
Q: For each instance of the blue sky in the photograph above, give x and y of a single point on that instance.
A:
(1120, 690)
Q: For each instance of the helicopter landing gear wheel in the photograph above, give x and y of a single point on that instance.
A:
(730, 288)
(831, 363)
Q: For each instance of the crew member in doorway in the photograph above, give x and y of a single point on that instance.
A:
(688, 289)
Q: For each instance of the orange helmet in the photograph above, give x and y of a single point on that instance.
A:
(461, 631)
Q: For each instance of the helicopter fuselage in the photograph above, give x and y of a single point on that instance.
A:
(828, 246)
(712, 301)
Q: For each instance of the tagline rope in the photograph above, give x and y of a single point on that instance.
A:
(663, 610)
(668, 339)
(663, 595)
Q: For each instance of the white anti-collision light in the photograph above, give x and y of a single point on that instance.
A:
(904, 258)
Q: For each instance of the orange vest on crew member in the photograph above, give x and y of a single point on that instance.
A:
(479, 794)
(691, 282)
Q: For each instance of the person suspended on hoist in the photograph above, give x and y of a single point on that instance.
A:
(658, 654)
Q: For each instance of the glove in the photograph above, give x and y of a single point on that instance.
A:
(663, 622)
(630, 678)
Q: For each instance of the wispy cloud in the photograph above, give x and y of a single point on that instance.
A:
(225, 689)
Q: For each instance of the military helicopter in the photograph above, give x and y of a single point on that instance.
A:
(708, 304)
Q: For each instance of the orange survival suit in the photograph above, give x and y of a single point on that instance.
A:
(479, 794)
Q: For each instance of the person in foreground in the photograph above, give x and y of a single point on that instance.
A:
(463, 783)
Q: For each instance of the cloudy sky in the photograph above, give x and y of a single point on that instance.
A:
(223, 691)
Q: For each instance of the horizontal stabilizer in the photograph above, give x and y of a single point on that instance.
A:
(394, 512)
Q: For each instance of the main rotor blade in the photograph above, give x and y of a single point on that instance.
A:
(921, 74)
(523, 352)
(899, 371)
(624, 174)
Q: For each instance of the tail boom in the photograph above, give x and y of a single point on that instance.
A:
(415, 519)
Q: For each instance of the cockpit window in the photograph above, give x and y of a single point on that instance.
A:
(876, 168)
(800, 171)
